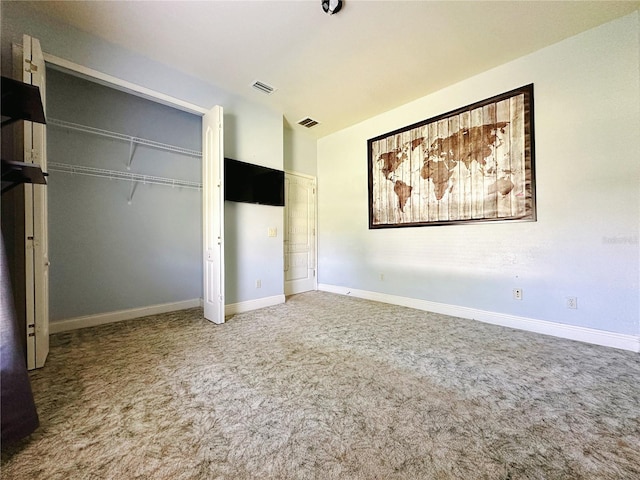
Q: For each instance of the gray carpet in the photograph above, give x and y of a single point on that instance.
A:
(329, 387)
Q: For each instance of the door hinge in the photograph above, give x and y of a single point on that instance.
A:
(32, 67)
(34, 156)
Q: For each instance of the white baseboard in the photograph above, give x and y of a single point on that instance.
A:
(571, 332)
(110, 317)
(247, 306)
(120, 315)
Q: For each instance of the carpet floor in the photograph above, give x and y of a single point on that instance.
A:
(329, 387)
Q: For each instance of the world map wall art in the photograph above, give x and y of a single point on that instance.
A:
(474, 164)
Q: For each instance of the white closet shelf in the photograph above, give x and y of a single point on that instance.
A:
(121, 136)
(117, 175)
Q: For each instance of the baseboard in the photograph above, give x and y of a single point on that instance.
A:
(247, 306)
(118, 316)
(582, 334)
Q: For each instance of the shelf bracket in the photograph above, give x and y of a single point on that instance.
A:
(132, 151)
(134, 185)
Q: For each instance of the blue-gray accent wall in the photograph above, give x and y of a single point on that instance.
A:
(108, 254)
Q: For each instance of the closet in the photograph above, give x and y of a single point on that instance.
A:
(125, 200)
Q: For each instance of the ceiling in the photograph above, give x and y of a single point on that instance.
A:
(338, 69)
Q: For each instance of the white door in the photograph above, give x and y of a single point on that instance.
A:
(300, 234)
(36, 229)
(213, 214)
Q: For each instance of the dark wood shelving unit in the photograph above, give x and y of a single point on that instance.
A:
(20, 101)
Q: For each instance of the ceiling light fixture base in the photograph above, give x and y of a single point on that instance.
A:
(331, 6)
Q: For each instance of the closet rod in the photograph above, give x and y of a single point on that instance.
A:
(116, 175)
(122, 136)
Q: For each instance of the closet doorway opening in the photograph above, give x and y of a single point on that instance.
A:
(126, 196)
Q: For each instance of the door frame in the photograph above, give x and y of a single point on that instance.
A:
(105, 79)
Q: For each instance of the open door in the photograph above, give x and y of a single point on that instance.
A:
(36, 229)
(213, 214)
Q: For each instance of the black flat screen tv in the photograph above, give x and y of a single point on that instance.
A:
(248, 183)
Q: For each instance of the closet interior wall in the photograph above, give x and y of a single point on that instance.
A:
(117, 244)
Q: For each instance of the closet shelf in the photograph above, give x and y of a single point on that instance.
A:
(121, 136)
(116, 175)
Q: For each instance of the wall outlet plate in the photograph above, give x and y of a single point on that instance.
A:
(517, 294)
(572, 302)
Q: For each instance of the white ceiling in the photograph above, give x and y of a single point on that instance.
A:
(369, 58)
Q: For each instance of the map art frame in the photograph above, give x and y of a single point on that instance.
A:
(473, 164)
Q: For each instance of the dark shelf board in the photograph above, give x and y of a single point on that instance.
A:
(16, 173)
(21, 101)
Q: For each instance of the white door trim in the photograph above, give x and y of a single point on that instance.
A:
(129, 87)
(305, 175)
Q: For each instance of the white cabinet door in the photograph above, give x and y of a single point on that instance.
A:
(213, 214)
(300, 238)
(36, 230)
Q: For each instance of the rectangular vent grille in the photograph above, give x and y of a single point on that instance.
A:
(263, 87)
(308, 122)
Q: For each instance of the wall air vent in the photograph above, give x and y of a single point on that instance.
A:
(308, 122)
(263, 87)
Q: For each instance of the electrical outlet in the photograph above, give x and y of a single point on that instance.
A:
(517, 294)
(572, 302)
(382, 276)
(258, 283)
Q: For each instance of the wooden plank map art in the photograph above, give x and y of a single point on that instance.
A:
(474, 164)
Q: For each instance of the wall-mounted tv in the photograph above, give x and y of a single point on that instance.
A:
(248, 183)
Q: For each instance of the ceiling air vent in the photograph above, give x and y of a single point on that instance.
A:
(263, 87)
(308, 122)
